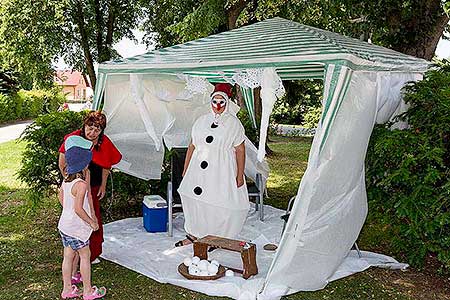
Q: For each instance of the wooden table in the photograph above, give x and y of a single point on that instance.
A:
(247, 250)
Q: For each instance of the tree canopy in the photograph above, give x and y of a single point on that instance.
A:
(413, 27)
(81, 32)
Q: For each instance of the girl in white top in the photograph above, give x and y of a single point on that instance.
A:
(77, 219)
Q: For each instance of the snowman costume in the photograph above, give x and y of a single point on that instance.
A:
(212, 202)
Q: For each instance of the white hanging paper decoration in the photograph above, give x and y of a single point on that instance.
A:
(250, 78)
(194, 85)
(271, 89)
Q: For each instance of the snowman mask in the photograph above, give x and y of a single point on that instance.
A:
(219, 102)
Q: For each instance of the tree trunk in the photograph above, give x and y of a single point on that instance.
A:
(99, 27)
(258, 105)
(239, 97)
(234, 11)
(79, 21)
(426, 31)
(109, 34)
(426, 46)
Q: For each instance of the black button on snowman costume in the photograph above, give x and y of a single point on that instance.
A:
(212, 202)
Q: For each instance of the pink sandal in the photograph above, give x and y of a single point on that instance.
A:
(77, 278)
(72, 294)
(98, 293)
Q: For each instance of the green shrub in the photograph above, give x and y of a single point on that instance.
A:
(9, 82)
(40, 160)
(301, 95)
(124, 194)
(129, 192)
(41, 101)
(408, 173)
(40, 169)
(312, 117)
(29, 104)
(7, 108)
(246, 121)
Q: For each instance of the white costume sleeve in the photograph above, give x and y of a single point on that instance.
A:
(240, 134)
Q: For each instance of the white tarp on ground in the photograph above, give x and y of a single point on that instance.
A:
(154, 255)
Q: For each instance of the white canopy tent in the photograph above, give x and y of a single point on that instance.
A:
(155, 97)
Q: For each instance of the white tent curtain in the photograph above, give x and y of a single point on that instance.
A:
(336, 85)
(128, 132)
(331, 205)
(390, 103)
(137, 92)
(144, 110)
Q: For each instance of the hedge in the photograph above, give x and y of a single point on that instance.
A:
(29, 104)
(408, 173)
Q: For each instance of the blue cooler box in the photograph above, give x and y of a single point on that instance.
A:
(154, 212)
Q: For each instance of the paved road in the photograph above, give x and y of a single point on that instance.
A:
(12, 132)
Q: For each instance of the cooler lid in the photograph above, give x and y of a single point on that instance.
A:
(154, 201)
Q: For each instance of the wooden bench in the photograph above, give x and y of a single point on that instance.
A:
(247, 250)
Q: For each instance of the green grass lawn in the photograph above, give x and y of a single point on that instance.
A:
(31, 252)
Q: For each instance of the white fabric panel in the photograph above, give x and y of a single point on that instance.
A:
(270, 83)
(158, 112)
(166, 115)
(253, 165)
(137, 92)
(185, 112)
(128, 132)
(331, 205)
(389, 96)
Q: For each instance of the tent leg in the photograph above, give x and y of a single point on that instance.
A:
(261, 196)
(169, 210)
(357, 250)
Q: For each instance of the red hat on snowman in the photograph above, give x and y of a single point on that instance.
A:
(224, 90)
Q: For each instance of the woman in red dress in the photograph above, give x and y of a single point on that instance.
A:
(105, 154)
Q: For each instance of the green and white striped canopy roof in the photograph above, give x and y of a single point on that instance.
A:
(297, 51)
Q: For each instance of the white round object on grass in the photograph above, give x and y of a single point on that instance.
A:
(193, 270)
(203, 265)
(213, 269)
(229, 273)
(187, 261)
(215, 262)
(195, 260)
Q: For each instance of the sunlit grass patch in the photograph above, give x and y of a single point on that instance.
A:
(31, 250)
(10, 162)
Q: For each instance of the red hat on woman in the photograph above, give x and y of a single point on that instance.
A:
(223, 89)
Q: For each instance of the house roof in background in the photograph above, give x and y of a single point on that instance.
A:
(69, 78)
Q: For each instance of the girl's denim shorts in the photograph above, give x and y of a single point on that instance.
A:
(72, 242)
